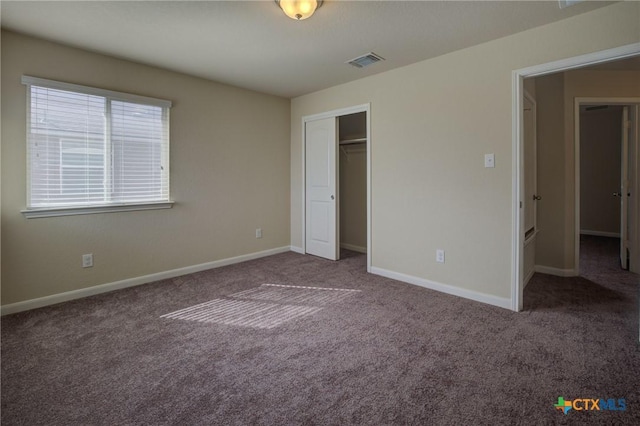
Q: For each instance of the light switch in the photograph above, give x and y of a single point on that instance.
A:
(489, 160)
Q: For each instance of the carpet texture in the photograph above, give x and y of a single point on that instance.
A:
(391, 353)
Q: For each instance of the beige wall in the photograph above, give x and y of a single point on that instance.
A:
(600, 153)
(431, 124)
(556, 154)
(229, 175)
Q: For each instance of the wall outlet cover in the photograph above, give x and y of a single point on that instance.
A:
(87, 260)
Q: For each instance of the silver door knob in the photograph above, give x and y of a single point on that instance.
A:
(617, 194)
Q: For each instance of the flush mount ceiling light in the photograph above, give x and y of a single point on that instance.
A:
(567, 3)
(299, 9)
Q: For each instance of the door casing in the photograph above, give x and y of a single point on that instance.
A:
(366, 108)
(517, 188)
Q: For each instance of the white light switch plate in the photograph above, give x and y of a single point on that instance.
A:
(489, 160)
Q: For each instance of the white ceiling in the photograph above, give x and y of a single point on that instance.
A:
(252, 44)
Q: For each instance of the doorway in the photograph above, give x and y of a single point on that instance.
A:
(352, 141)
(606, 144)
(337, 182)
(518, 189)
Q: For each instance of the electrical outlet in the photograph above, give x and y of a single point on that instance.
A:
(258, 232)
(440, 256)
(87, 260)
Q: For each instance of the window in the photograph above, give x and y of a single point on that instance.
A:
(92, 150)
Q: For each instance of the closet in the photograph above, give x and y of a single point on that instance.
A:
(352, 139)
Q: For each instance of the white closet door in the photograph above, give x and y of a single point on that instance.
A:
(321, 188)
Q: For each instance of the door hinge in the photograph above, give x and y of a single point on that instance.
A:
(520, 204)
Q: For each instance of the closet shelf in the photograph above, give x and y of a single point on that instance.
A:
(353, 141)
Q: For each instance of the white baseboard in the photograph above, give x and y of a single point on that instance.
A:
(296, 249)
(600, 233)
(501, 302)
(131, 282)
(555, 271)
(353, 248)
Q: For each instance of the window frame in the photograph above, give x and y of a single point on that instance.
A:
(109, 95)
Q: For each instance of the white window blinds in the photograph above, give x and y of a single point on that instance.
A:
(92, 147)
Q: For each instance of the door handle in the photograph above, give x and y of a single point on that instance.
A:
(333, 198)
(536, 197)
(617, 194)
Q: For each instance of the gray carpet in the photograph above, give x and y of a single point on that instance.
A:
(391, 353)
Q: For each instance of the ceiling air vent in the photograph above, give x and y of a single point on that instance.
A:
(365, 60)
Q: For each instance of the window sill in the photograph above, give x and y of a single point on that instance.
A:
(73, 211)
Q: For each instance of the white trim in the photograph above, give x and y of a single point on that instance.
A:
(353, 247)
(517, 284)
(366, 108)
(594, 58)
(336, 112)
(296, 249)
(600, 233)
(132, 282)
(501, 302)
(73, 211)
(549, 270)
(52, 84)
(517, 212)
(369, 198)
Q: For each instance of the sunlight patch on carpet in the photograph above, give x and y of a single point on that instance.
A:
(242, 313)
(264, 307)
(296, 294)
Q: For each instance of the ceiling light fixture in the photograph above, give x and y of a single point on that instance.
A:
(299, 9)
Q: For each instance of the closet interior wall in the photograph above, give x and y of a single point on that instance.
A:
(353, 181)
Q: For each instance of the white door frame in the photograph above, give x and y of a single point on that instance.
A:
(366, 108)
(576, 133)
(517, 215)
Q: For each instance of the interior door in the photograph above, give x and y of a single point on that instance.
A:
(530, 179)
(321, 200)
(530, 197)
(632, 196)
(624, 189)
